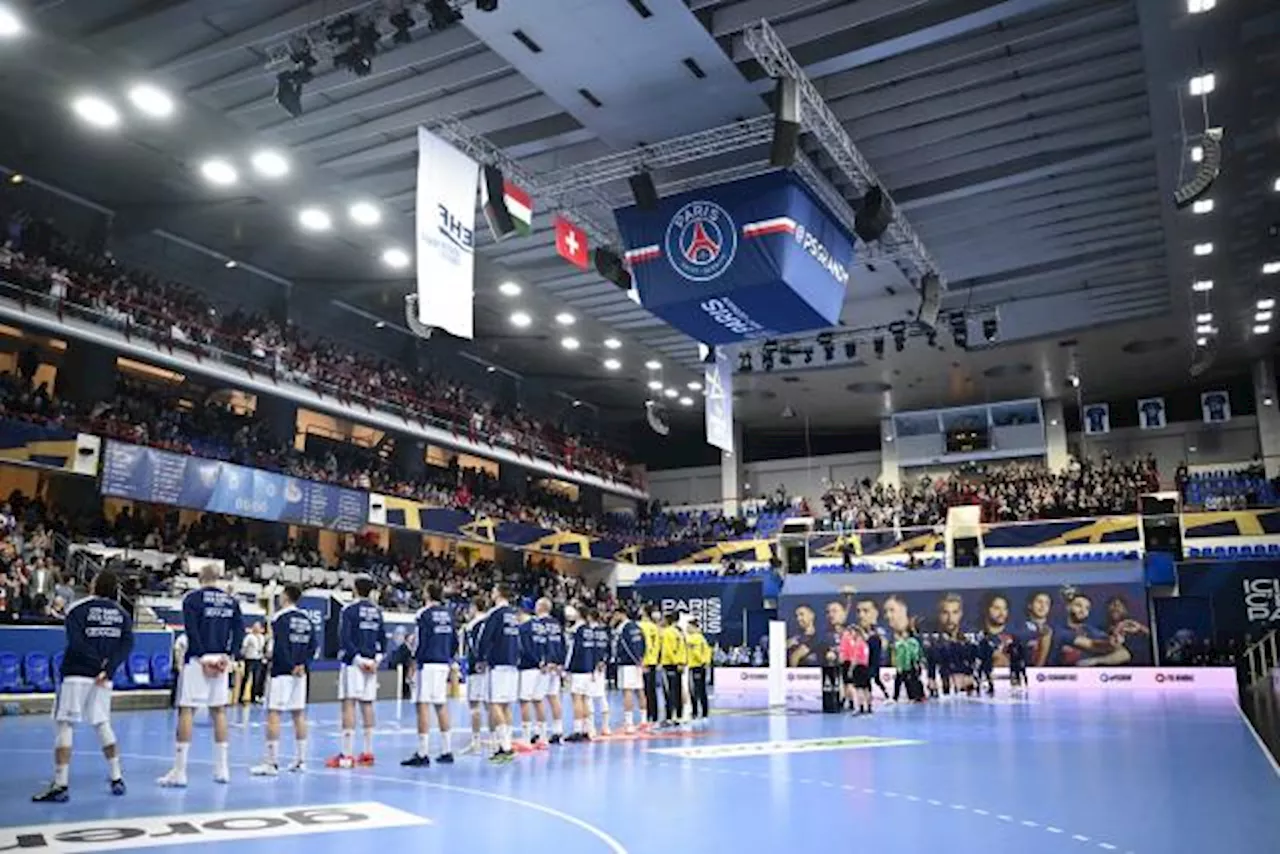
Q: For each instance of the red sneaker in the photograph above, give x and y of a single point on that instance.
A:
(365, 760)
(340, 761)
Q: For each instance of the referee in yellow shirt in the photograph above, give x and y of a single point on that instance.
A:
(699, 655)
(650, 663)
(674, 658)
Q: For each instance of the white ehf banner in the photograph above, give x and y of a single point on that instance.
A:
(719, 403)
(447, 183)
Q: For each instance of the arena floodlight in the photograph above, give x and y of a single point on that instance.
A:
(365, 214)
(96, 111)
(270, 163)
(395, 258)
(219, 172)
(612, 344)
(151, 100)
(510, 289)
(521, 319)
(11, 25)
(315, 219)
(612, 364)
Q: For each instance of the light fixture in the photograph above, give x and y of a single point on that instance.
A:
(269, 163)
(219, 172)
(1202, 286)
(1261, 329)
(1270, 268)
(1276, 186)
(1266, 304)
(1204, 317)
(16, 178)
(564, 318)
(686, 401)
(1202, 84)
(1204, 329)
(151, 100)
(570, 343)
(671, 393)
(315, 219)
(694, 385)
(521, 319)
(612, 364)
(10, 24)
(1197, 153)
(1196, 7)
(612, 344)
(96, 111)
(365, 214)
(1266, 401)
(230, 265)
(1202, 206)
(1202, 341)
(653, 365)
(655, 385)
(395, 258)
(1262, 317)
(1202, 249)
(510, 289)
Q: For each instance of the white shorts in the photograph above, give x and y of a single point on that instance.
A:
(530, 685)
(596, 690)
(82, 700)
(504, 685)
(630, 678)
(287, 693)
(549, 684)
(432, 685)
(355, 684)
(580, 683)
(478, 687)
(196, 689)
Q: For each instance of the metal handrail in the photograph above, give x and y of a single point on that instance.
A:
(1263, 657)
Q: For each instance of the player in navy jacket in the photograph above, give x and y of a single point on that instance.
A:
(99, 639)
(533, 659)
(437, 646)
(552, 667)
(362, 640)
(293, 644)
(580, 663)
(500, 655)
(629, 649)
(214, 627)
(477, 676)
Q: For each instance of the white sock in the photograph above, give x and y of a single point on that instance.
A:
(348, 742)
(557, 727)
(424, 743)
(113, 765)
(446, 743)
(300, 748)
(61, 775)
(579, 726)
(527, 728)
(627, 719)
(180, 757)
(221, 764)
(504, 737)
(367, 740)
(591, 725)
(273, 752)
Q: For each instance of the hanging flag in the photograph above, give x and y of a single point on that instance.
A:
(1097, 419)
(1215, 407)
(446, 222)
(718, 381)
(571, 243)
(517, 202)
(1151, 413)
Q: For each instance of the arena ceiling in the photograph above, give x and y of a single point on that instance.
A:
(1034, 144)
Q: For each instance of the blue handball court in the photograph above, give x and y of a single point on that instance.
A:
(1049, 772)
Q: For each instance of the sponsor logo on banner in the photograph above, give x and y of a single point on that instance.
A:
(702, 241)
(1175, 677)
(705, 611)
(810, 243)
(1114, 678)
(117, 834)
(778, 748)
(1200, 681)
(1262, 599)
(446, 218)
(726, 312)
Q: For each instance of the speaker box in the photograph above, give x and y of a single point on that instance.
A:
(495, 205)
(795, 560)
(610, 265)
(786, 124)
(642, 187)
(874, 215)
(964, 552)
(930, 300)
(1162, 535)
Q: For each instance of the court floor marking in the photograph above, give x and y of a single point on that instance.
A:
(1257, 737)
(1106, 846)
(612, 844)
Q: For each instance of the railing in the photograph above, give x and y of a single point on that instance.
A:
(222, 348)
(1263, 657)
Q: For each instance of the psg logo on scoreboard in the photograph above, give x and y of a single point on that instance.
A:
(701, 241)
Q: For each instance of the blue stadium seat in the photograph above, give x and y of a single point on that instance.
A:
(11, 674)
(35, 667)
(56, 666)
(140, 670)
(120, 679)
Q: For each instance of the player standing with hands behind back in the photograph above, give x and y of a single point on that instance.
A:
(293, 646)
(361, 642)
(215, 630)
(500, 657)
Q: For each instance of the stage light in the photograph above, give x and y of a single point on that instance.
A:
(612, 364)
(899, 332)
(827, 342)
(1202, 341)
(1262, 317)
(1261, 329)
(570, 343)
(877, 344)
(1208, 159)
(1202, 84)
(653, 365)
(766, 361)
(270, 163)
(151, 100)
(1275, 188)
(365, 214)
(1202, 206)
(1204, 317)
(16, 178)
(990, 329)
(1202, 286)
(1198, 7)
(1204, 329)
(612, 344)
(694, 385)
(1203, 249)
(744, 362)
(510, 289)
(289, 89)
(96, 111)
(315, 219)
(1266, 304)
(395, 258)
(219, 172)
(1197, 153)
(851, 350)
(686, 401)
(10, 24)
(655, 385)
(521, 319)
(230, 265)
(564, 318)
(1270, 268)
(670, 393)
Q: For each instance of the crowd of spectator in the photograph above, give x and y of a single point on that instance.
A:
(33, 584)
(37, 257)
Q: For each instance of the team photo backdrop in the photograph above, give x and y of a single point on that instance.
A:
(1091, 617)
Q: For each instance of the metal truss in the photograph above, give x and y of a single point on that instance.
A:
(900, 240)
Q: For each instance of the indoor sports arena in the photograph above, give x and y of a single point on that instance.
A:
(639, 426)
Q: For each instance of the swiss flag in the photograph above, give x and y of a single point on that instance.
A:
(571, 243)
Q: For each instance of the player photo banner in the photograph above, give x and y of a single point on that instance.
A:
(719, 401)
(739, 261)
(1151, 414)
(1096, 418)
(1215, 407)
(446, 222)
(1061, 620)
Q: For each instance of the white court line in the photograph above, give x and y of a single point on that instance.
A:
(1079, 838)
(612, 844)
(1262, 745)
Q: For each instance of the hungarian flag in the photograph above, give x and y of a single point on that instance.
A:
(518, 204)
(571, 243)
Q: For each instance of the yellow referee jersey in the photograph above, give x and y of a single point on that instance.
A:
(652, 637)
(699, 651)
(673, 649)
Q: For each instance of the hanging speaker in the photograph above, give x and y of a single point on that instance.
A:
(642, 187)
(495, 204)
(930, 299)
(611, 266)
(874, 215)
(786, 123)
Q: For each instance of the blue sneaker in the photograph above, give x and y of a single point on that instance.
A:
(55, 794)
(117, 786)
